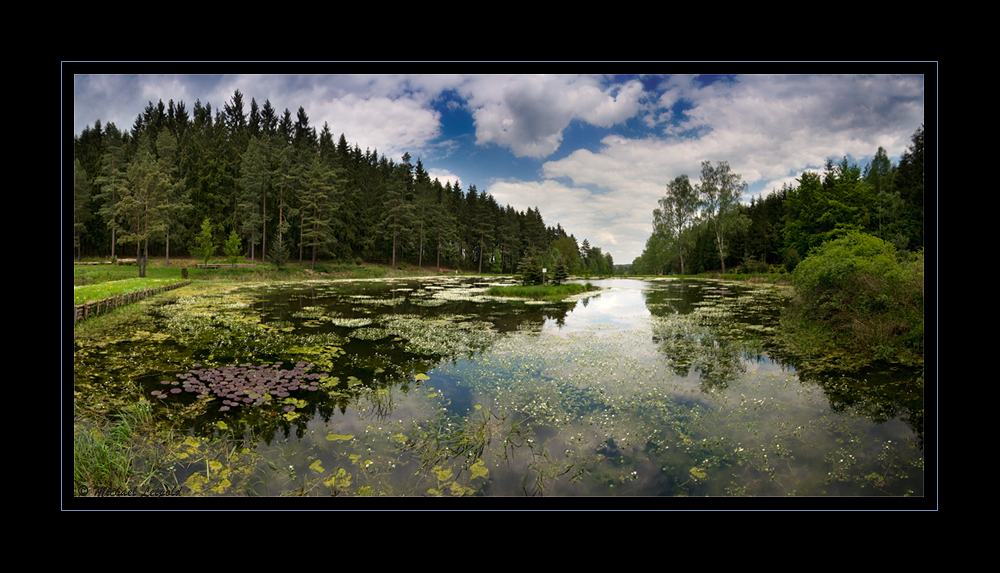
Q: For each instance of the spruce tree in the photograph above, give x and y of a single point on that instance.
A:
(233, 248)
(561, 272)
(531, 270)
(206, 243)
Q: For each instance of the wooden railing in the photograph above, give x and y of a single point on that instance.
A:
(94, 308)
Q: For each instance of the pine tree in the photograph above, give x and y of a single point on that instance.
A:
(252, 207)
(111, 183)
(422, 196)
(398, 216)
(176, 201)
(140, 214)
(319, 195)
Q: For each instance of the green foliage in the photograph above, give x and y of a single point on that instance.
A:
(676, 213)
(858, 287)
(233, 248)
(81, 199)
(531, 271)
(568, 251)
(104, 458)
(751, 266)
(720, 191)
(820, 211)
(206, 243)
(266, 173)
(541, 292)
(279, 251)
(792, 259)
(561, 271)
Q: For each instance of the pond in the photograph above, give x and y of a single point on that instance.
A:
(434, 388)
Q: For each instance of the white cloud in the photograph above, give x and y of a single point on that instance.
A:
(616, 222)
(392, 126)
(769, 129)
(444, 176)
(528, 114)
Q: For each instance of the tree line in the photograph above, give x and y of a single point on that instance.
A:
(177, 180)
(704, 227)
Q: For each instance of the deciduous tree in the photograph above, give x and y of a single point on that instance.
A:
(677, 211)
(720, 190)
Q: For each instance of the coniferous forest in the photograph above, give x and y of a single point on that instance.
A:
(270, 182)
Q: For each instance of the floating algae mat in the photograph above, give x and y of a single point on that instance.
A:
(434, 388)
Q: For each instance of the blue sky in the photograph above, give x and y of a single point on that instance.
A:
(593, 152)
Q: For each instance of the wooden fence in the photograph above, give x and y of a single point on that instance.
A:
(97, 307)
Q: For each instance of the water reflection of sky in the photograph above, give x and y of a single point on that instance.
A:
(621, 305)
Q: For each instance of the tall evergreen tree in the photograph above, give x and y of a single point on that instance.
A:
(253, 121)
(398, 213)
(139, 213)
(175, 200)
(909, 182)
(421, 203)
(81, 204)
(319, 197)
(252, 208)
(111, 184)
(285, 176)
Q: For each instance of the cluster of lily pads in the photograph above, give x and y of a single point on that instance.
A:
(244, 385)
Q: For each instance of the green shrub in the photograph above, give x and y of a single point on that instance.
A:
(857, 286)
(531, 271)
(561, 272)
(206, 246)
(751, 266)
(233, 248)
(792, 259)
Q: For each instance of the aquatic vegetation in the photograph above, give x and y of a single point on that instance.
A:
(665, 387)
(244, 385)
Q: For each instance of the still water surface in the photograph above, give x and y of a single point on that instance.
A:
(647, 388)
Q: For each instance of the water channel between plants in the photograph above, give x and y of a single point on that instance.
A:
(433, 388)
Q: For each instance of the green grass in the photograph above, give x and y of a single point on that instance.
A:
(104, 458)
(86, 275)
(541, 292)
(89, 293)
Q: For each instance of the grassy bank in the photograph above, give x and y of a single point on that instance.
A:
(98, 291)
(158, 270)
(541, 292)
